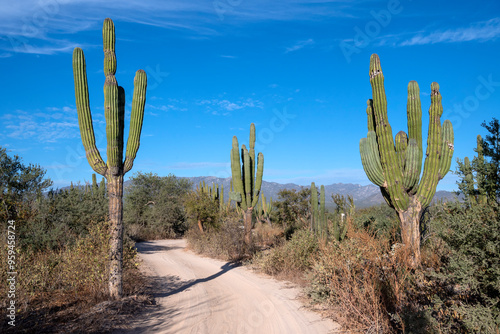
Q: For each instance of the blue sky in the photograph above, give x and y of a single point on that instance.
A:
(297, 69)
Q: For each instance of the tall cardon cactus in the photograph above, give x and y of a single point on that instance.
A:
(395, 166)
(115, 167)
(246, 182)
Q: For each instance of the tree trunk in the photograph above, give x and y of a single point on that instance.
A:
(410, 230)
(248, 226)
(200, 226)
(115, 194)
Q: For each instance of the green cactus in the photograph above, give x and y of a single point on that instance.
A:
(323, 222)
(314, 209)
(246, 183)
(264, 209)
(115, 167)
(396, 166)
(319, 221)
(474, 182)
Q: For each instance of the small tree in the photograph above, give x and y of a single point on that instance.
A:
(20, 185)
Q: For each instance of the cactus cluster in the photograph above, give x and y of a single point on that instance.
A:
(264, 209)
(216, 192)
(114, 111)
(246, 181)
(395, 165)
(474, 182)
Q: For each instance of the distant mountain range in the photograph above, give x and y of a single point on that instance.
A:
(363, 196)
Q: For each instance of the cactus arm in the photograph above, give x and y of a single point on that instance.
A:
(258, 181)
(251, 153)
(430, 177)
(314, 208)
(322, 212)
(414, 115)
(136, 119)
(370, 159)
(388, 159)
(412, 160)
(370, 115)
(112, 112)
(401, 144)
(84, 114)
(247, 176)
(236, 173)
(447, 149)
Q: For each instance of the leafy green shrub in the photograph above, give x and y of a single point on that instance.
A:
(381, 219)
(154, 207)
(465, 290)
(294, 256)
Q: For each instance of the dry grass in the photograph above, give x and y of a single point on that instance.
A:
(365, 281)
(225, 242)
(58, 288)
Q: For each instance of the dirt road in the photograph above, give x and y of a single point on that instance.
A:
(200, 295)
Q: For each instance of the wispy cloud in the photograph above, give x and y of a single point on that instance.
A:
(300, 45)
(224, 106)
(480, 32)
(47, 127)
(33, 26)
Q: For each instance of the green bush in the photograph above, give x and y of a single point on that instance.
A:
(465, 291)
(154, 206)
(293, 256)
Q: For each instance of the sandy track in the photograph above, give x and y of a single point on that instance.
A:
(200, 295)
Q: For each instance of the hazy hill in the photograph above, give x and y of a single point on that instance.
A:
(363, 195)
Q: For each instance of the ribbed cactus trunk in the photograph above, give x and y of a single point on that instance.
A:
(246, 182)
(395, 165)
(115, 167)
(115, 194)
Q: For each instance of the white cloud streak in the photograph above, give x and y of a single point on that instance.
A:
(299, 45)
(479, 32)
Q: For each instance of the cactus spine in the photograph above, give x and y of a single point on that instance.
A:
(396, 167)
(115, 168)
(246, 183)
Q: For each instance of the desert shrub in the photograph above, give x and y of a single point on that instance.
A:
(291, 210)
(362, 280)
(154, 206)
(79, 269)
(266, 235)
(292, 257)
(202, 211)
(465, 288)
(225, 242)
(378, 218)
(61, 216)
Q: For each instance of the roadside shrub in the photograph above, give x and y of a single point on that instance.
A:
(465, 289)
(225, 242)
(154, 206)
(291, 258)
(80, 270)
